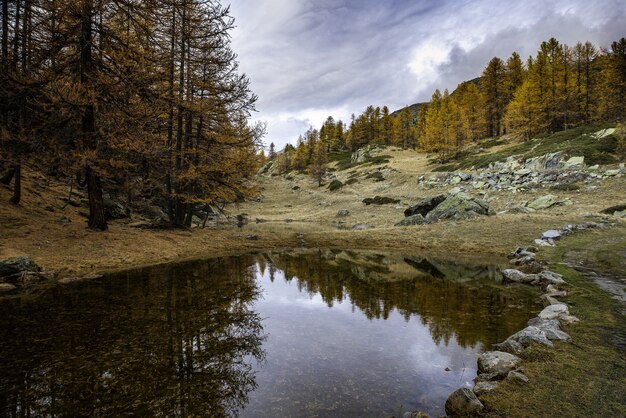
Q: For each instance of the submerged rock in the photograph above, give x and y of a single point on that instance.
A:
(463, 403)
(497, 362)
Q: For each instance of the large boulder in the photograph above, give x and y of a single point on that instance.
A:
(459, 206)
(463, 403)
(424, 206)
(497, 362)
(15, 265)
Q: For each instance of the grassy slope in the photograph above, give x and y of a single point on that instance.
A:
(586, 378)
(575, 141)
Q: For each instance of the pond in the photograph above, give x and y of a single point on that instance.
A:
(326, 333)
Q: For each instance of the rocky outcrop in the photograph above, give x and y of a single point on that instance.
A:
(463, 403)
(424, 206)
(455, 206)
(460, 206)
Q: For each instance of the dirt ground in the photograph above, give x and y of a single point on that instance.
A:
(292, 212)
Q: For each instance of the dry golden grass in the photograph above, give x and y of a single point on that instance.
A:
(306, 217)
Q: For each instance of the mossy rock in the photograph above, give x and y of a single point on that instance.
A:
(335, 185)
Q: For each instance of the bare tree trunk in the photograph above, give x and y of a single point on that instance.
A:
(97, 220)
(5, 33)
(170, 123)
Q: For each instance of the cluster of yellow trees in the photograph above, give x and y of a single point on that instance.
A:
(136, 97)
(560, 88)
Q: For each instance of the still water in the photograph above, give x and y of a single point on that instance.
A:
(316, 334)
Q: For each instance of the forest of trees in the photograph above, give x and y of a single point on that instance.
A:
(560, 88)
(127, 97)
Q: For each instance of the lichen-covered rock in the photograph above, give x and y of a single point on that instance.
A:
(548, 277)
(17, 265)
(458, 207)
(463, 403)
(510, 346)
(497, 362)
(516, 276)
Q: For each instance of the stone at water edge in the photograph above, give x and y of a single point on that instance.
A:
(551, 328)
(554, 311)
(529, 335)
(484, 387)
(548, 277)
(516, 276)
(497, 362)
(510, 346)
(463, 403)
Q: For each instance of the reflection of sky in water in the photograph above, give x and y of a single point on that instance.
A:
(325, 361)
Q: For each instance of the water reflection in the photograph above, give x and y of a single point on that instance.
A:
(323, 333)
(159, 342)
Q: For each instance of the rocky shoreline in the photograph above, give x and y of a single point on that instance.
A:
(504, 363)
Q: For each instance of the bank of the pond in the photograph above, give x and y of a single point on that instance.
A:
(586, 378)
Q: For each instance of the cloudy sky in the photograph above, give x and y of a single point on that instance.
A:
(308, 59)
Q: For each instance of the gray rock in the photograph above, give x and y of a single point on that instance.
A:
(551, 328)
(548, 277)
(554, 311)
(551, 234)
(253, 237)
(544, 243)
(544, 202)
(15, 265)
(342, 213)
(497, 362)
(516, 276)
(510, 346)
(484, 387)
(568, 319)
(529, 335)
(413, 220)
(517, 377)
(424, 206)
(463, 403)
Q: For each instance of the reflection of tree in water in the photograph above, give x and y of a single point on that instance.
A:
(161, 342)
(468, 305)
